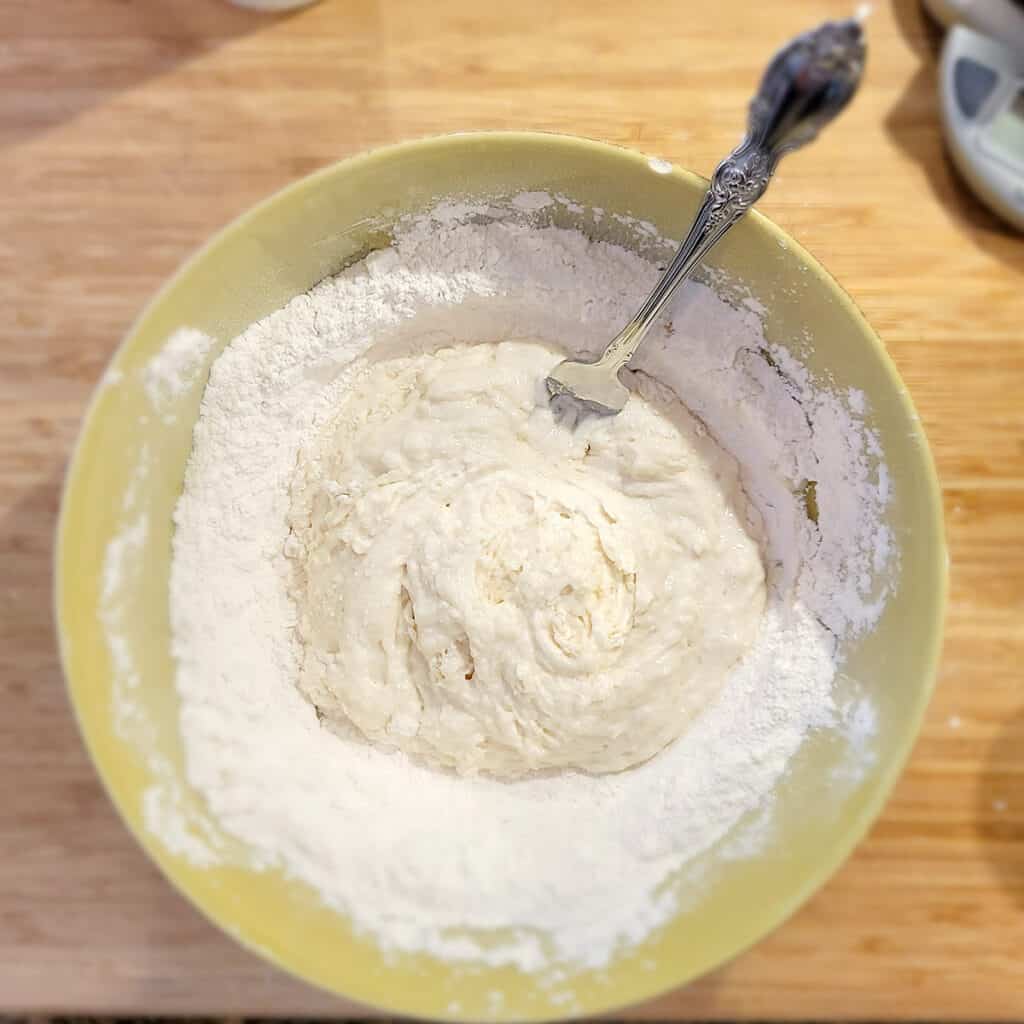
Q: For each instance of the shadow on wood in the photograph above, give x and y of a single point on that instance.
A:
(999, 820)
(102, 48)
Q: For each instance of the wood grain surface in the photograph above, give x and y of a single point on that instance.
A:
(132, 129)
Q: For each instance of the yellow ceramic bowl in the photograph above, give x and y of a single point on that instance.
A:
(125, 699)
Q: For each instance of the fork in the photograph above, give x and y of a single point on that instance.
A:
(805, 86)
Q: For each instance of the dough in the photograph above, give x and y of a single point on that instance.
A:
(484, 589)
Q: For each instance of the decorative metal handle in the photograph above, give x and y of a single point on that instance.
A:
(807, 83)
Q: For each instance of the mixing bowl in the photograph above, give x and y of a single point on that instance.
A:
(127, 473)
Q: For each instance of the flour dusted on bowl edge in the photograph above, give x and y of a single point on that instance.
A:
(359, 822)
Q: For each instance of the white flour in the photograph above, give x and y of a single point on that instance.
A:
(566, 868)
(174, 369)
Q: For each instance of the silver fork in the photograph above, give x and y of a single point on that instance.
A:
(805, 86)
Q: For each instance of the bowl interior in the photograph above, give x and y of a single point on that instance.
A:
(124, 695)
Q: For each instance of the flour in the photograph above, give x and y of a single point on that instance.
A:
(563, 869)
(174, 369)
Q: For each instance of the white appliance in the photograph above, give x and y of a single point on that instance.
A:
(981, 85)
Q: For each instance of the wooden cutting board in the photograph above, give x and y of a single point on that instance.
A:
(131, 130)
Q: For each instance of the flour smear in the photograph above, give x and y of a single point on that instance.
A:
(555, 872)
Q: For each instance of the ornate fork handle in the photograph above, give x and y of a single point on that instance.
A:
(738, 182)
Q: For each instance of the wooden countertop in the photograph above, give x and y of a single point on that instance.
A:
(132, 129)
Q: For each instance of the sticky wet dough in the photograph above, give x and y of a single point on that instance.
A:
(489, 592)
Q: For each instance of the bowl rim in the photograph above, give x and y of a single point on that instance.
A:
(886, 775)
